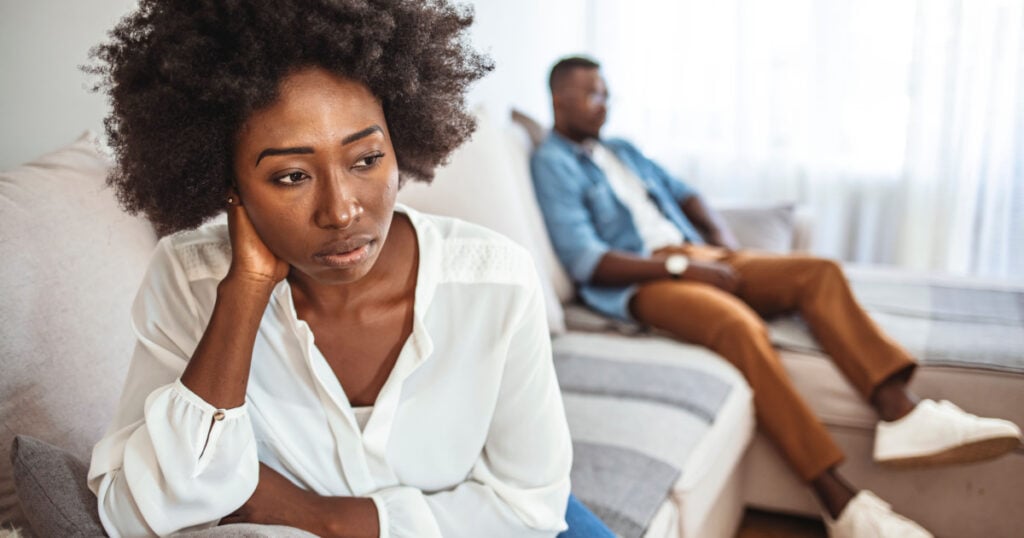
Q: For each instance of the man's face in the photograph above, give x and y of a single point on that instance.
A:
(581, 103)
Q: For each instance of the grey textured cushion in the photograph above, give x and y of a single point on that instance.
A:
(52, 490)
(249, 530)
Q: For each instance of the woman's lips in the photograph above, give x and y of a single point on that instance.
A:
(344, 259)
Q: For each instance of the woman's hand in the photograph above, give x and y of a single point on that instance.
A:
(250, 258)
(277, 501)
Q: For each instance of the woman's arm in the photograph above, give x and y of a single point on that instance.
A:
(181, 451)
(709, 223)
(218, 371)
(277, 501)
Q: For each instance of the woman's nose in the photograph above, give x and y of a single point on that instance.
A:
(337, 206)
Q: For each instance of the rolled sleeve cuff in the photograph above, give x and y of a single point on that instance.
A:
(404, 512)
(586, 263)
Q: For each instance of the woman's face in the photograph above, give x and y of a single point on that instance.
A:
(317, 176)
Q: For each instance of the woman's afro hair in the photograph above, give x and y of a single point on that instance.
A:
(183, 75)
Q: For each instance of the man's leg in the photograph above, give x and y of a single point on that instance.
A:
(818, 290)
(706, 316)
(934, 433)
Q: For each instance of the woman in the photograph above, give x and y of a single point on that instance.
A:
(327, 360)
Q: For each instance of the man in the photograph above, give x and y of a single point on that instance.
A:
(644, 246)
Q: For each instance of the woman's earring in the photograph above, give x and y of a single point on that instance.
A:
(231, 200)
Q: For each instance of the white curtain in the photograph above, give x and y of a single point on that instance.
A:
(900, 123)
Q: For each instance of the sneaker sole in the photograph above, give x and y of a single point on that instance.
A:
(985, 449)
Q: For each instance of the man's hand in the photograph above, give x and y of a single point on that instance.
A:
(718, 274)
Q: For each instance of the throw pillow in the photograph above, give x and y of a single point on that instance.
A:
(762, 227)
(52, 488)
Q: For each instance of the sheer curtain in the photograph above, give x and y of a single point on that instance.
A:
(899, 123)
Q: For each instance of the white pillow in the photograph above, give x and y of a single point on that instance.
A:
(72, 262)
(479, 185)
(766, 227)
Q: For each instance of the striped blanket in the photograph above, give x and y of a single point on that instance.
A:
(940, 321)
(634, 424)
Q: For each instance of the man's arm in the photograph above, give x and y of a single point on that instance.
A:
(708, 222)
(623, 269)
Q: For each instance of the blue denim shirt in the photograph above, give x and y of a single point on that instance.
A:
(586, 219)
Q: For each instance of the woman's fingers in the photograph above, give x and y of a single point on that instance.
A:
(250, 257)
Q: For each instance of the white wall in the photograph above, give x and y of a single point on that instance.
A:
(525, 38)
(44, 100)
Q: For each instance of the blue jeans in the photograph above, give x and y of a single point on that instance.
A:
(583, 523)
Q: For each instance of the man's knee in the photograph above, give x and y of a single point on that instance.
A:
(827, 267)
(737, 327)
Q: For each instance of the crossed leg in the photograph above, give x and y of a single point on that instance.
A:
(731, 325)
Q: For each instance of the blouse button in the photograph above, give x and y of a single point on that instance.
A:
(219, 415)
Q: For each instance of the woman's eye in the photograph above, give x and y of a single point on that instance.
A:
(369, 160)
(290, 178)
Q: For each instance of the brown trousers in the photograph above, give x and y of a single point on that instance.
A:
(732, 326)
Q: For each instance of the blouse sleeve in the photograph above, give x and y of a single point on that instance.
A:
(520, 485)
(170, 461)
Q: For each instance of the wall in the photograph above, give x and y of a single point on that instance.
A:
(44, 100)
(525, 38)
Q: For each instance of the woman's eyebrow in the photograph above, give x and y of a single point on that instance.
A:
(283, 151)
(362, 134)
(302, 150)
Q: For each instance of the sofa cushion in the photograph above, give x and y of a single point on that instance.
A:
(482, 184)
(52, 490)
(767, 227)
(652, 421)
(72, 261)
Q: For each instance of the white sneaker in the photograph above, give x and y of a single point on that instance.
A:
(939, 433)
(867, 516)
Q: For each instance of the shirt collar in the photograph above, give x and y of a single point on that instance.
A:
(582, 149)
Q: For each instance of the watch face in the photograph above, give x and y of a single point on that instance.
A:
(676, 264)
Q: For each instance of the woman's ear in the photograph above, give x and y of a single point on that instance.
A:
(232, 197)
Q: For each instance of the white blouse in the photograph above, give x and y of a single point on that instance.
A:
(467, 437)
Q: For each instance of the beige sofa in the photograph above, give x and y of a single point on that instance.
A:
(664, 432)
(968, 333)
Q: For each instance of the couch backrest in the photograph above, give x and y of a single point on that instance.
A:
(71, 264)
(487, 182)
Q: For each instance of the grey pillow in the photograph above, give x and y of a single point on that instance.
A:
(51, 486)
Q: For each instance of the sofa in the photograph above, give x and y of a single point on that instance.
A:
(968, 334)
(664, 435)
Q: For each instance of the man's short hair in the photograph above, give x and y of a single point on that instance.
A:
(565, 66)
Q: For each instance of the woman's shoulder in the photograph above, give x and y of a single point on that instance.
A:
(462, 251)
(200, 253)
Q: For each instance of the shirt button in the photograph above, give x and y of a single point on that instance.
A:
(218, 415)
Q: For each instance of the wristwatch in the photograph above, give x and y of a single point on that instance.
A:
(676, 265)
